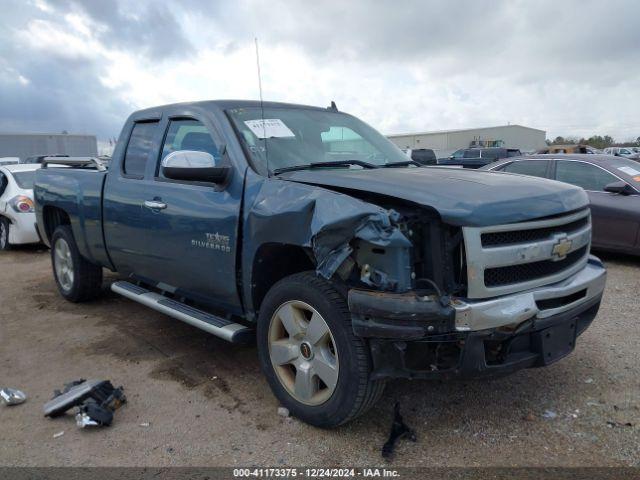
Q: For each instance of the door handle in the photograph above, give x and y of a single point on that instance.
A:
(155, 205)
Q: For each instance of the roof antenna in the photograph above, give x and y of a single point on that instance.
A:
(264, 128)
(332, 106)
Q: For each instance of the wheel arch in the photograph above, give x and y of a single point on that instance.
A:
(273, 262)
(52, 218)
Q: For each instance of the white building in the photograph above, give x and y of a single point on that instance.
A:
(445, 142)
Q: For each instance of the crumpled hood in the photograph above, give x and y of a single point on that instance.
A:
(462, 197)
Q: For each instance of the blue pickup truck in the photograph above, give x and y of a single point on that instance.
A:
(305, 230)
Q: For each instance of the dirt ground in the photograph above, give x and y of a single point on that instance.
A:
(207, 404)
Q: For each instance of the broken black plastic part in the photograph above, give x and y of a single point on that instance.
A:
(102, 415)
(77, 393)
(399, 429)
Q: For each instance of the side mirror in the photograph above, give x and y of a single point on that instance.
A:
(194, 166)
(622, 188)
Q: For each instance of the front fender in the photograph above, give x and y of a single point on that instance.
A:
(314, 218)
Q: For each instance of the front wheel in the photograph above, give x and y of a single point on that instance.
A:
(314, 363)
(78, 280)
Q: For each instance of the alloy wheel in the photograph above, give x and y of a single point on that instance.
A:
(63, 264)
(303, 353)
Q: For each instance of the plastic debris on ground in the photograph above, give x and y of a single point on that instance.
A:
(11, 396)
(96, 401)
(398, 430)
(59, 434)
(549, 414)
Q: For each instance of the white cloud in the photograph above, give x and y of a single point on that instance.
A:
(401, 67)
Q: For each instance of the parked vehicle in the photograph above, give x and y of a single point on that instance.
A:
(613, 186)
(586, 149)
(17, 217)
(284, 221)
(478, 157)
(627, 152)
(424, 156)
(9, 160)
(40, 158)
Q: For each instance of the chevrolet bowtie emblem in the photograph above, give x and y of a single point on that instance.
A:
(561, 248)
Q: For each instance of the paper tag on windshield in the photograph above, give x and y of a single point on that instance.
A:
(269, 128)
(629, 171)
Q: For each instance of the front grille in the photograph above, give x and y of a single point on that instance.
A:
(493, 239)
(513, 274)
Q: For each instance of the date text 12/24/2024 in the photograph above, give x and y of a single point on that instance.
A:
(314, 472)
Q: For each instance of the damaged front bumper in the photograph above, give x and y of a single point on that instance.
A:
(426, 337)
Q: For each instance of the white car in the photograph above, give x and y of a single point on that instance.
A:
(9, 160)
(17, 215)
(622, 152)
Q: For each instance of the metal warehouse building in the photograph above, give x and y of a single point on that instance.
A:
(25, 145)
(445, 142)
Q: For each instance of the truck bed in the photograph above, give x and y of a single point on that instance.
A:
(78, 192)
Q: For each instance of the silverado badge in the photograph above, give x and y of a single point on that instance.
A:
(214, 241)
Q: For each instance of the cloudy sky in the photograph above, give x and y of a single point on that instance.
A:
(568, 67)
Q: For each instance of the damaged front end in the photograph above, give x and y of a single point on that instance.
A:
(435, 300)
(451, 324)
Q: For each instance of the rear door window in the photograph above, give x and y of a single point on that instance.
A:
(139, 148)
(535, 168)
(584, 175)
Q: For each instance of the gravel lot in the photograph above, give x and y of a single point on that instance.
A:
(207, 404)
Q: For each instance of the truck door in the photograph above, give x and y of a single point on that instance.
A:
(192, 227)
(125, 191)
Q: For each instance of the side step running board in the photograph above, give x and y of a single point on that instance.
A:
(220, 327)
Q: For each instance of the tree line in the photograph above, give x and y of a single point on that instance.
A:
(595, 141)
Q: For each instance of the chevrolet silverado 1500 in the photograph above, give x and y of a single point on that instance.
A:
(305, 229)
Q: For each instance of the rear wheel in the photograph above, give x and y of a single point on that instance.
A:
(78, 280)
(314, 363)
(4, 234)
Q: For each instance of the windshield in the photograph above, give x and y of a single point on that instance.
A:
(25, 179)
(301, 136)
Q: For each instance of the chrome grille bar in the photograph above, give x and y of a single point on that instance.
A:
(568, 246)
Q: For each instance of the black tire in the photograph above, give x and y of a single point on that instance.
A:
(4, 234)
(87, 277)
(355, 392)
